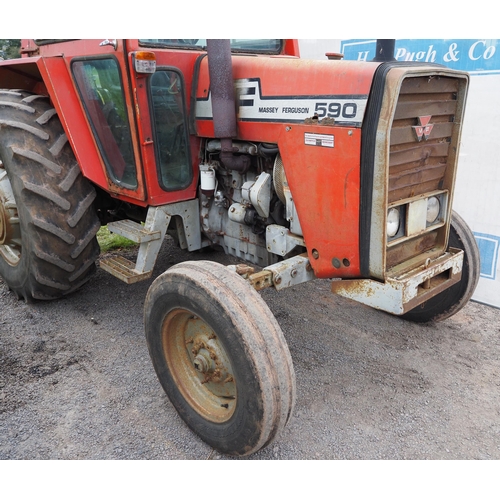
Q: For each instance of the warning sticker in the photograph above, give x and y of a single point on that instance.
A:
(326, 141)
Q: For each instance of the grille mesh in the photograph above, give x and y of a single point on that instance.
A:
(419, 167)
(415, 167)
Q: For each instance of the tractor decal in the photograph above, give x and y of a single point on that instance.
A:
(347, 110)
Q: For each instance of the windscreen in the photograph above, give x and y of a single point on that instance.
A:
(260, 45)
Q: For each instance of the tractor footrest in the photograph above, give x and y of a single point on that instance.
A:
(133, 231)
(123, 269)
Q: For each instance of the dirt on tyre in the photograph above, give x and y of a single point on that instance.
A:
(48, 226)
(451, 300)
(220, 356)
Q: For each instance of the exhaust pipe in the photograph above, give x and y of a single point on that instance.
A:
(384, 51)
(223, 103)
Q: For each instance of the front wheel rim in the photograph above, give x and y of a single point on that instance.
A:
(10, 230)
(199, 364)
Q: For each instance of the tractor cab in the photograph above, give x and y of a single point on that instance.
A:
(135, 104)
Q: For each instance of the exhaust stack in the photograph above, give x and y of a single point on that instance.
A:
(223, 103)
(384, 51)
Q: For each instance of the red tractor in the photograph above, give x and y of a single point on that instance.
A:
(330, 169)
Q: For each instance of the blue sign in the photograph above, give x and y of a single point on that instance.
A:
(480, 57)
(488, 249)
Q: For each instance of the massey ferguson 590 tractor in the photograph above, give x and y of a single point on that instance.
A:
(304, 170)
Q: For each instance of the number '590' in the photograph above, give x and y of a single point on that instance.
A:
(336, 110)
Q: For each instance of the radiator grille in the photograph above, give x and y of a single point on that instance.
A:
(419, 167)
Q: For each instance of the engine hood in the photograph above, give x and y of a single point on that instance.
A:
(272, 90)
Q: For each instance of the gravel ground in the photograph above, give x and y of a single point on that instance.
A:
(76, 381)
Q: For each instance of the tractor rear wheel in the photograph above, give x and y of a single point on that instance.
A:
(47, 222)
(450, 301)
(220, 356)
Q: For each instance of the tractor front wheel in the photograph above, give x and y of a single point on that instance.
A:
(220, 356)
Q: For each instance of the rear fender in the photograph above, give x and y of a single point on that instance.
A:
(40, 75)
(36, 75)
(21, 74)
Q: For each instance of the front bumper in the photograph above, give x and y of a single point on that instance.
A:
(400, 294)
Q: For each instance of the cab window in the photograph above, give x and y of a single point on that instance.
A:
(170, 130)
(254, 46)
(101, 91)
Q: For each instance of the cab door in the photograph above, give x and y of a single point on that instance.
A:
(169, 152)
(103, 83)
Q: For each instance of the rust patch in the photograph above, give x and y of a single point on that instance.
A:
(261, 280)
(416, 246)
(243, 269)
(432, 287)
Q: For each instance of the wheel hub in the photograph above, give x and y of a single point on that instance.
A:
(199, 365)
(211, 361)
(203, 363)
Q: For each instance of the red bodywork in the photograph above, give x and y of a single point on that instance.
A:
(325, 181)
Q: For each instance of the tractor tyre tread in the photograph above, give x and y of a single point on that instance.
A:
(54, 201)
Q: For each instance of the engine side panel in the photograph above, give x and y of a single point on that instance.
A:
(322, 165)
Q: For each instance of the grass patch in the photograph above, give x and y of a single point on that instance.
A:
(110, 241)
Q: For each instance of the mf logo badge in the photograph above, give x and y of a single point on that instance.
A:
(424, 128)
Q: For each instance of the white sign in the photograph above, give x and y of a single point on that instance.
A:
(326, 141)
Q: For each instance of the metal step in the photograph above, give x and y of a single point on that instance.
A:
(123, 269)
(150, 238)
(133, 231)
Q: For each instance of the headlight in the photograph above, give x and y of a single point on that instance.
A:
(393, 221)
(433, 209)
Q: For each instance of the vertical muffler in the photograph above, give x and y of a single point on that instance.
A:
(384, 50)
(223, 103)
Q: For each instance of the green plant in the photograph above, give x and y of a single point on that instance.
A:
(109, 241)
(9, 49)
